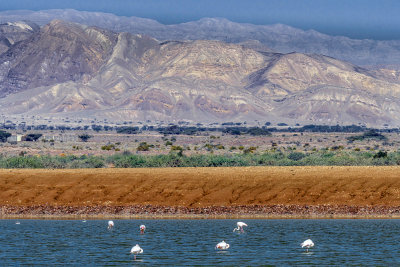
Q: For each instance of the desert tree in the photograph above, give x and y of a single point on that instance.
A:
(84, 137)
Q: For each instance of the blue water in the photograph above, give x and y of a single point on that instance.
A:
(192, 242)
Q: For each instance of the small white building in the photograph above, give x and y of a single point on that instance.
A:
(15, 138)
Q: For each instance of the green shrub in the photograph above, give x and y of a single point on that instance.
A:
(380, 154)
(108, 147)
(249, 150)
(143, 146)
(296, 156)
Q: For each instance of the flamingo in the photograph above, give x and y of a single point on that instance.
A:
(136, 250)
(84, 220)
(142, 228)
(17, 222)
(110, 225)
(239, 226)
(222, 245)
(307, 244)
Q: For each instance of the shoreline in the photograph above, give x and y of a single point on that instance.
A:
(212, 212)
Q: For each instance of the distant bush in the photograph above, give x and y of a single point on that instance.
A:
(144, 147)
(84, 137)
(97, 128)
(108, 147)
(249, 150)
(176, 148)
(296, 156)
(380, 154)
(31, 137)
(128, 130)
(370, 134)
(4, 135)
(232, 130)
(175, 129)
(220, 146)
(168, 143)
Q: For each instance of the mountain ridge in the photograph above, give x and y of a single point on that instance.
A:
(99, 73)
(278, 37)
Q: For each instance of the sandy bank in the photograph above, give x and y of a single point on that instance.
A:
(247, 191)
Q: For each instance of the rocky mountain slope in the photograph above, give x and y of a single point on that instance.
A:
(13, 32)
(57, 53)
(281, 38)
(70, 70)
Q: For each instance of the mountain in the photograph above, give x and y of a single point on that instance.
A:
(13, 32)
(71, 70)
(278, 37)
(57, 53)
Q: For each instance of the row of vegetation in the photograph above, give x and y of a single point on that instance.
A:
(232, 128)
(178, 159)
(239, 130)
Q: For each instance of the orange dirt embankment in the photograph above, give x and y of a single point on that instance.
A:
(201, 187)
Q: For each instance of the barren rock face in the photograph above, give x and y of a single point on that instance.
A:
(13, 32)
(209, 60)
(59, 52)
(298, 72)
(67, 69)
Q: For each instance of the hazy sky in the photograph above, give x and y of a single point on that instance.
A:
(374, 19)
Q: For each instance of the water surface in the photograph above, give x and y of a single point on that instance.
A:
(192, 242)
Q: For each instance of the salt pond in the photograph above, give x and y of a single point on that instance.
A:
(192, 242)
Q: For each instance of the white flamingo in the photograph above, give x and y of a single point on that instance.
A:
(136, 250)
(142, 228)
(307, 244)
(110, 225)
(240, 226)
(222, 245)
